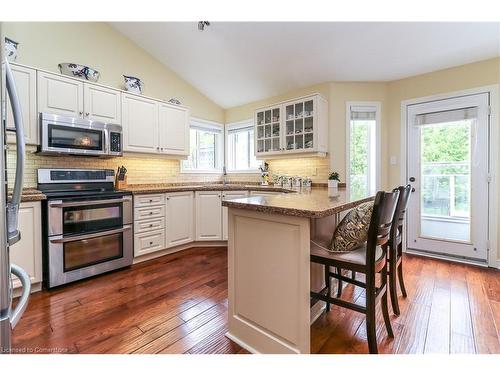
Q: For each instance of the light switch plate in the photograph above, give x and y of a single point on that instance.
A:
(393, 160)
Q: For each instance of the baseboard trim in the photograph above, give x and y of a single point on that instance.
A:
(244, 345)
(160, 253)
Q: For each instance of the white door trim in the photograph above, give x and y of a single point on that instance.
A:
(493, 91)
(378, 125)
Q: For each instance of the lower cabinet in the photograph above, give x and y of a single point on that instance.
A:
(180, 218)
(149, 223)
(208, 215)
(149, 242)
(27, 253)
(229, 195)
(167, 220)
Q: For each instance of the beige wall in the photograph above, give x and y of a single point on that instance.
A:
(45, 44)
(337, 94)
(463, 77)
(98, 45)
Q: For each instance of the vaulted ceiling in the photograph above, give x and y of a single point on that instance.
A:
(235, 63)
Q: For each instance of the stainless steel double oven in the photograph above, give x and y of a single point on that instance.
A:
(87, 224)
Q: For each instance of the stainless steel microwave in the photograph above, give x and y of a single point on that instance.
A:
(69, 135)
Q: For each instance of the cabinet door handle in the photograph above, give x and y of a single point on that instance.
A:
(80, 113)
(87, 114)
(150, 242)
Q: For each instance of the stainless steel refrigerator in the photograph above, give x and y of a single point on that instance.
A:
(9, 209)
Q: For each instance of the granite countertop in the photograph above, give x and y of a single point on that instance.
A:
(172, 188)
(29, 195)
(309, 202)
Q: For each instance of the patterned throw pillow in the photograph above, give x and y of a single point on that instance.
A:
(352, 231)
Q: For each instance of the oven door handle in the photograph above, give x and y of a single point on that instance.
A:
(61, 239)
(88, 203)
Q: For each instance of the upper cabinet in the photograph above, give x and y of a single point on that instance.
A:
(140, 124)
(25, 79)
(154, 127)
(293, 127)
(102, 104)
(75, 98)
(60, 95)
(173, 129)
(149, 125)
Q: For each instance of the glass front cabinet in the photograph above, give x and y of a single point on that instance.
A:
(293, 127)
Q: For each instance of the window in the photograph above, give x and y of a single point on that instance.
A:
(240, 153)
(363, 149)
(205, 148)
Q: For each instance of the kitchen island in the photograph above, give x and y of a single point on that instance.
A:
(270, 274)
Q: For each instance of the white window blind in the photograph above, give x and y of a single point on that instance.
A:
(446, 116)
(206, 148)
(240, 153)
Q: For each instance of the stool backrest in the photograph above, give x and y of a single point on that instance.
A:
(380, 226)
(401, 207)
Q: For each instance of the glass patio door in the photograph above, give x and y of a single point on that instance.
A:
(448, 168)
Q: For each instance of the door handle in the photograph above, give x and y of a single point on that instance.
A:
(23, 300)
(412, 179)
(89, 203)
(62, 239)
(13, 206)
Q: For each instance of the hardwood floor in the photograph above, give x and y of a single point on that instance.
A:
(178, 304)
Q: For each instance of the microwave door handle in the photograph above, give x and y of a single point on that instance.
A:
(13, 206)
(23, 300)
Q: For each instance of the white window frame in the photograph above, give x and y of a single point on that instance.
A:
(377, 107)
(232, 126)
(219, 146)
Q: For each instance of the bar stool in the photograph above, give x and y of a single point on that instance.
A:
(395, 253)
(370, 259)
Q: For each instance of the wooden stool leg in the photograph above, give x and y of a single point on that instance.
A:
(400, 271)
(339, 283)
(393, 289)
(371, 327)
(401, 282)
(385, 308)
(328, 286)
(353, 275)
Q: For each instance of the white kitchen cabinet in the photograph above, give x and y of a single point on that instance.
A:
(149, 242)
(173, 129)
(208, 215)
(149, 223)
(179, 218)
(102, 104)
(226, 195)
(293, 127)
(25, 79)
(59, 95)
(140, 124)
(27, 253)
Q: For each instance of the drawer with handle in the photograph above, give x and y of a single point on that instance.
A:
(142, 226)
(149, 200)
(149, 242)
(149, 212)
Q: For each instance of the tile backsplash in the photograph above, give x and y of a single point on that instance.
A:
(152, 169)
(314, 167)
